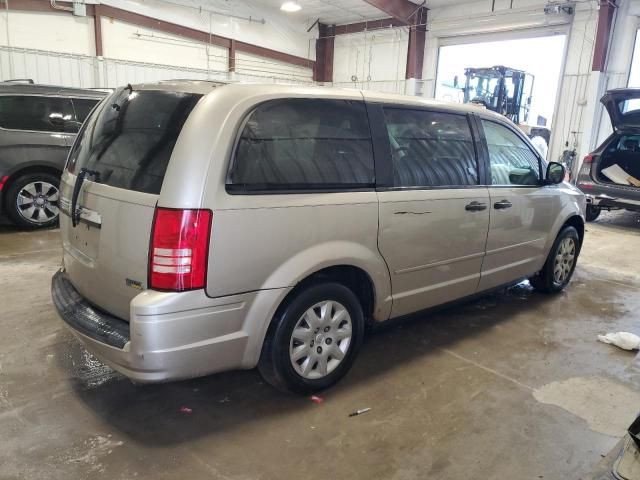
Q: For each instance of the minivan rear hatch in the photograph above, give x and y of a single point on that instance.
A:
(116, 167)
(623, 105)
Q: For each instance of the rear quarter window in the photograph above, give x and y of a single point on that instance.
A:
(302, 144)
(129, 138)
(36, 113)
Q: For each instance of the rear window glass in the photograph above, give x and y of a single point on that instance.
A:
(304, 144)
(129, 138)
(37, 113)
(630, 106)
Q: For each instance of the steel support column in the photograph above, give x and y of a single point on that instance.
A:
(323, 71)
(603, 34)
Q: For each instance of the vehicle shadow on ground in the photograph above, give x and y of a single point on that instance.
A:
(618, 220)
(151, 414)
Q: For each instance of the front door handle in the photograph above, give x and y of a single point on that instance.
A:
(475, 206)
(502, 204)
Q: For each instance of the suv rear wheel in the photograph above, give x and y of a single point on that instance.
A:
(314, 339)
(593, 212)
(32, 200)
(560, 264)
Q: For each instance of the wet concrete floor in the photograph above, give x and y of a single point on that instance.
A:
(513, 385)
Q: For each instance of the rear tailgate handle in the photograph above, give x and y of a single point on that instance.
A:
(90, 217)
(502, 204)
(475, 206)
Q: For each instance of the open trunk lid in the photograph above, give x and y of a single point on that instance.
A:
(112, 182)
(623, 106)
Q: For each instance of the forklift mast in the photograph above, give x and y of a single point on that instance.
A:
(504, 90)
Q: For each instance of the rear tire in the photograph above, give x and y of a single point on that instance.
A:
(32, 200)
(560, 264)
(313, 339)
(593, 212)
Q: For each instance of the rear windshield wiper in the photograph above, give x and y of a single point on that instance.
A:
(75, 213)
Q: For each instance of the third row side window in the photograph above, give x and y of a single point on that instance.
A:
(304, 144)
(431, 149)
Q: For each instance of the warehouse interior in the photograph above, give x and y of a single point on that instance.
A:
(510, 384)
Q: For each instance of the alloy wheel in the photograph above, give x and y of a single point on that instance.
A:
(37, 202)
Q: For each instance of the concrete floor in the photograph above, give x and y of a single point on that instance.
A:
(514, 385)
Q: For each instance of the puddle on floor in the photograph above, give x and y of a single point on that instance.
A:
(607, 406)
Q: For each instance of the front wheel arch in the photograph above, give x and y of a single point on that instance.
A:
(576, 222)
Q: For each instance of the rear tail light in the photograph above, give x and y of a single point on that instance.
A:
(585, 169)
(3, 180)
(179, 249)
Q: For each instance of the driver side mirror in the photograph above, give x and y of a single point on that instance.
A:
(555, 173)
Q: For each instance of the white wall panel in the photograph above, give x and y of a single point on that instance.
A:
(47, 31)
(256, 66)
(129, 42)
(54, 68)
(374, 56)
(49, 68)
(276, 33)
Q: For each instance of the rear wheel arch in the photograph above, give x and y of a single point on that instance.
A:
(354, 278)
(346, 275)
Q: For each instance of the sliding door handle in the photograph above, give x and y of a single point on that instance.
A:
(502, 204)
(475, 206)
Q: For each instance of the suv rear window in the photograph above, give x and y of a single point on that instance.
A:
(129, 138)
(303, 144)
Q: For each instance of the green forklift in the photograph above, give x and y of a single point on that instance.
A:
(504, 90)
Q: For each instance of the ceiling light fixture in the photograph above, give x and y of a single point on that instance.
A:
(290, 7)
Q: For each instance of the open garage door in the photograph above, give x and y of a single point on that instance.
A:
(540, 58)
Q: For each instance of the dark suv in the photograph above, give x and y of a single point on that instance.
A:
(38, 124)
(610, 176)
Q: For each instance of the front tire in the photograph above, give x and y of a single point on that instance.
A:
(32, 200)
(560, 264)
(313, 340)
(593, 213)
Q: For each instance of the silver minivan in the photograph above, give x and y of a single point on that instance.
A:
(210, 227)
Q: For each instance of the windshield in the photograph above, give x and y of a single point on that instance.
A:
(128, 140)
(483, 89)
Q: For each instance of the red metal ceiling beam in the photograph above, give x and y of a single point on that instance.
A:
(368, 25)
(402, 10)
(166, 27)
(603, 34)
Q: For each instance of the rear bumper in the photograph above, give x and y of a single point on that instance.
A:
(609, 196)
(171, 336)
(607, 201)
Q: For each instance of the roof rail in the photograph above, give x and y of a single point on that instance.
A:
(19, 80)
